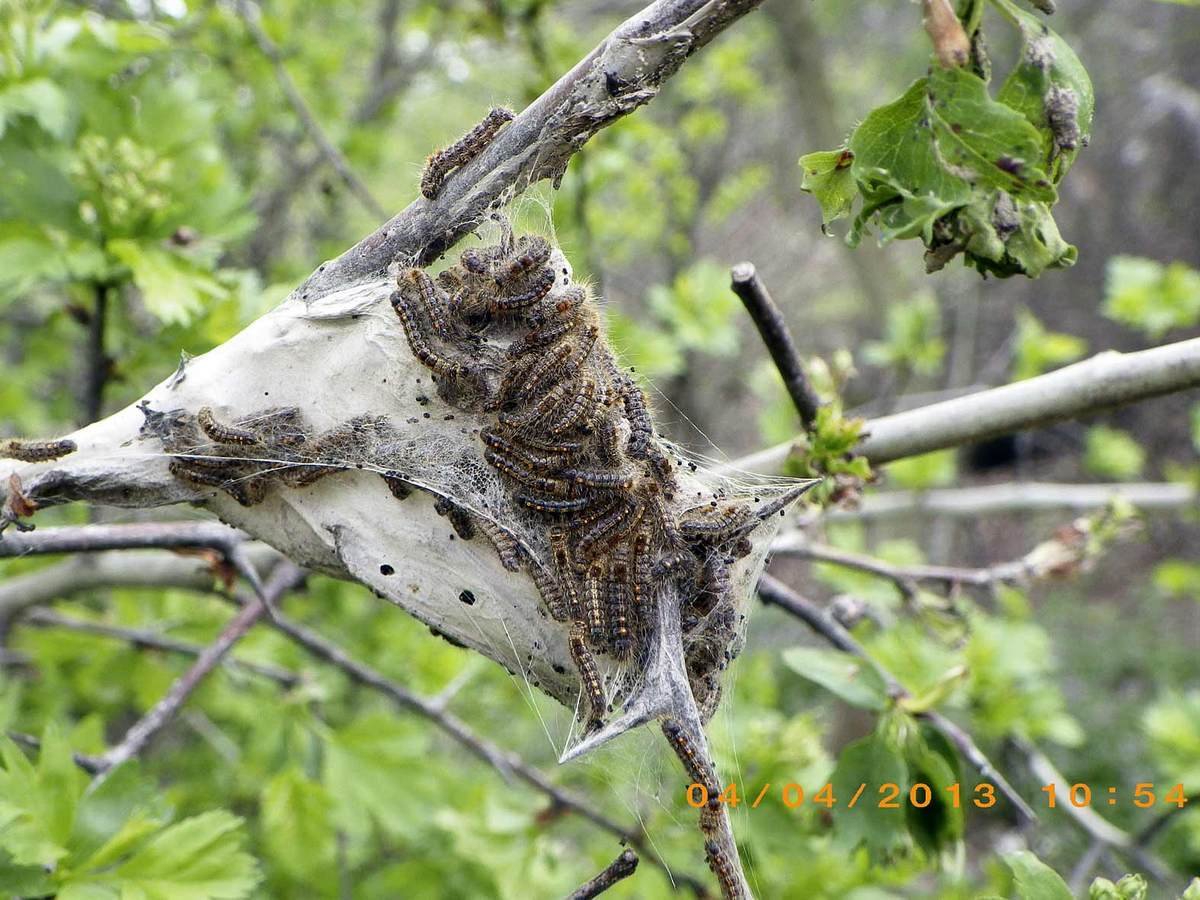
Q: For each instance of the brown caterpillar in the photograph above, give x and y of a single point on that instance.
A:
(247, 491)
(534, 256)
(694, 764)
(713, 522)
(523, 454)
(547, 583)
(460, 519)
(222, 433)
(416, 339)
(619, 590)
(576, 414)
(538, 288)
(502, 539)
(610, 527)
(595, 608)
(722, 867)
(589, 676)
(504, 464)
(552, 506)
(641, 427)
(561, 363)
(37, 451)
(432, 299)
(462, 151)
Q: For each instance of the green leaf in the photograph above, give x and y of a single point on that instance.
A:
(1110, 453)
(1153, 297)
(1193, 889)
(200, 858)
(851, 678)
(37, 803)
(1178, 578)
(296, 824)
(115, 816)
(912, 336)
(827, 176)
(1172, 727)
(40, 99)
(918, 473)
(173, 289)
(872, 762)
(1051, 88)
(1038, 350)
(1036, 880)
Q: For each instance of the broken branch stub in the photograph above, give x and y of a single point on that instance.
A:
(332, 388)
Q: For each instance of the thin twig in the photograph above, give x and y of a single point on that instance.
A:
(129, 536)
(96, 368)
(773, 329)
(618, 870)
(250, 15)
(1019, 497)
(1095, 825)
(907, 578)
(774, 592)
(150, 640)
(285, 577)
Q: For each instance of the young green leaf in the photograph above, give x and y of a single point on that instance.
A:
(1036, 880)
(851, 678)
(827, 176)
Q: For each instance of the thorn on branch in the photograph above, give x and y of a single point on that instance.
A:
(778, 339)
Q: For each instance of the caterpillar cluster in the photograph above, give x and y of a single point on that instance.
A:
(572, 438)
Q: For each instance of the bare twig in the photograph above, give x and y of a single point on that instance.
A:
(285, 577)
(129, 536)
(1061, 554)
(1105, 381)
(1019, 497)
(150, 640)
(130, 568)
(250, 15)
(618, 870)
(778, 337)
(774, 592)
(164, 535)
(625, 71)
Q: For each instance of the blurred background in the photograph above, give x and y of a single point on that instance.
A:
(161, 186)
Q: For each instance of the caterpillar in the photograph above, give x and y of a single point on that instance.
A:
(222, 433)
(37, 451)
(462, 151)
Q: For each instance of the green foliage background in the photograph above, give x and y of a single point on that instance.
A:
(152, 173)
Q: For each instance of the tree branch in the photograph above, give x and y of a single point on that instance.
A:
(1095, 825)
(1019, 497)
(618, 870)
(625, 71)
(250, 15)
(774, 592)
(285, 577)
(778, 339)
(1105, 381)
